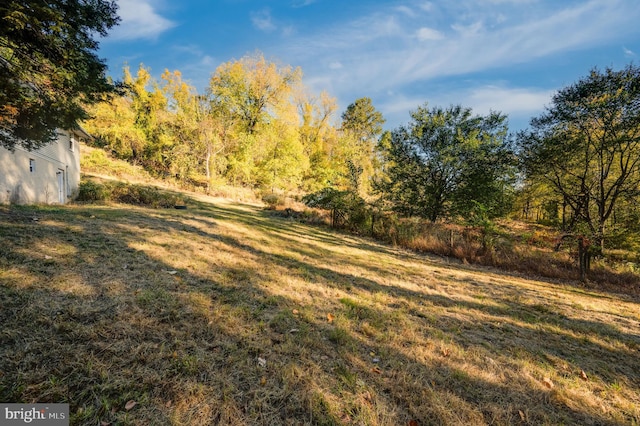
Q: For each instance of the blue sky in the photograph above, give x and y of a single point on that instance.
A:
(502, 55)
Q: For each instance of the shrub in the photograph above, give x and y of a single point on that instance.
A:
(348, 209)
(119, 192)
(92, 191)
(273, 200)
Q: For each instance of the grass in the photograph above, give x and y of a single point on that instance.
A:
(518, 247)
(224, 314)
(99, 166)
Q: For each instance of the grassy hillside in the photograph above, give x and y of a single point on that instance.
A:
(222, 314)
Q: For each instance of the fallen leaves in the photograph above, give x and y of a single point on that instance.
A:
(548, 383)
(130, 404)
(330, 318)
(583, 375)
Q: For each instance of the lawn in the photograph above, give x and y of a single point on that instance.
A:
(225, 314)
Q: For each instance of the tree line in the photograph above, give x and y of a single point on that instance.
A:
(257, 125)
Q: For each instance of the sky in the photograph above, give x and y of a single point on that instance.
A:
(489, 55)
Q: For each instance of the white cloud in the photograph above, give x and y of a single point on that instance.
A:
(289, 30)
(518, 103)
(628, 53)
(406, 11)
(500, 18)
(517, 2)
(208, 61)
(426, 6)
(474, 48)
(470, 30)
(302, 3)
(425, 34)
(512, 101)
(263, 21)
(382, 51)
(139, 21)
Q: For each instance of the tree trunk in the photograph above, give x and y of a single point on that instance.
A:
(600, 237)
(207, 168)
(373, 222)
(451, 241)
(584, 257)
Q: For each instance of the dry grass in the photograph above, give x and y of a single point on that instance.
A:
(518, 247)
(221, 314)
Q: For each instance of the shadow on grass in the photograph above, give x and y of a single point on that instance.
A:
(96, 313)
(545, 332)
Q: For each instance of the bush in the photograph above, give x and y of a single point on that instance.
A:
(119, 192)
(92, 191)
(273, 200)
(348, 209)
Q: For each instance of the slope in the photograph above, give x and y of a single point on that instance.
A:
(222, 314)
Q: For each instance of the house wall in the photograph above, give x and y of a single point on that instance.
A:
(20, 185)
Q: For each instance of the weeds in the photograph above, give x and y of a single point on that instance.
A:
(504, 245)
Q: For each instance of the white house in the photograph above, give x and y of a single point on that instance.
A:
(50, 174)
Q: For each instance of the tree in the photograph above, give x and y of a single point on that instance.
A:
(251, 87)
(114, 123)
(447, 162)
(256, 96)
(318, 136)
(188, 127)
(586, 145)
(361, 126)
(48, 66)
(362, 120)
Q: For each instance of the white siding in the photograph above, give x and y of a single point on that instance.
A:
(20, 185)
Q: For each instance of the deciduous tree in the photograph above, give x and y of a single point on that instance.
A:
(447, 162)
(361, 126)
(586, 145)
(251, 87)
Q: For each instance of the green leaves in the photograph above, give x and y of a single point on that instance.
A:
(446, 161)
(48, 66)
(347, 207)
(586, 146)
(362, 120)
